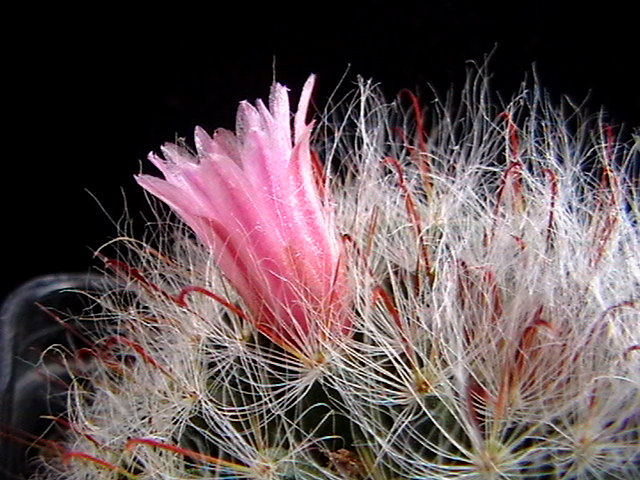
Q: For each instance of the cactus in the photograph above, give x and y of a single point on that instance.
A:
(390, 292)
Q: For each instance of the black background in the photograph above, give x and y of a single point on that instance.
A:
(90, 92)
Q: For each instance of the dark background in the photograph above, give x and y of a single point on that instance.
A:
(91, 92)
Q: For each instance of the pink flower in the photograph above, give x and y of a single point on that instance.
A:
(252, 198)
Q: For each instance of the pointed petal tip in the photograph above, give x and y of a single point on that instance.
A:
(145, 180)
(156, 160)
(310, 82)
(202, 140)
(303, 106)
